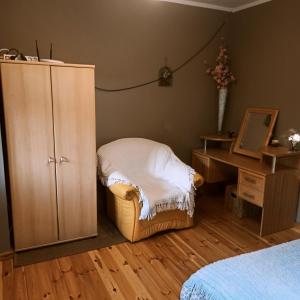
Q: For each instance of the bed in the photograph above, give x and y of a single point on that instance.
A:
(268, 274)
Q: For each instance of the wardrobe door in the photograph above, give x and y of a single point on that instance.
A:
(27, 101)
(75, 147)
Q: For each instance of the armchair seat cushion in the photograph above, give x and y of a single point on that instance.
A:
(123, 208)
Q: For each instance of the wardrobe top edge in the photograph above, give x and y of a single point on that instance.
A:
(45, 64)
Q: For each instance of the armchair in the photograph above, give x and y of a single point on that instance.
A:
(124, 209)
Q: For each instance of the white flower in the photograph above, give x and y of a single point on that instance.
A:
(295, 138)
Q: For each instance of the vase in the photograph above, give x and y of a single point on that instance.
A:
(222, 104)
(292, 146)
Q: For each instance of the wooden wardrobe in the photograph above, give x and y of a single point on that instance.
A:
(50, 134)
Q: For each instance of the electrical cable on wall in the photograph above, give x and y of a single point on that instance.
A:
(165, 72)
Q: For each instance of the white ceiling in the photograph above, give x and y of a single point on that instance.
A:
(226, 5)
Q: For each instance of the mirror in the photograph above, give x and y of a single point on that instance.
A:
(255, 131)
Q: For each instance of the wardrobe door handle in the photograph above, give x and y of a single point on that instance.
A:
(51, 159)
(63, 159)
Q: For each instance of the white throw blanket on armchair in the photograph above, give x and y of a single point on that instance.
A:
(164, 182)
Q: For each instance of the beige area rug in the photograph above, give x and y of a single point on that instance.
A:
(108, 235)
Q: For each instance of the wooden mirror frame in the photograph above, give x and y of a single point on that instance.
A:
(268, 111)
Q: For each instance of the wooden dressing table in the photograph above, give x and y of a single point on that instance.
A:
(270, 182)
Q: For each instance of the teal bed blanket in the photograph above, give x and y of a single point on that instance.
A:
(268, 274)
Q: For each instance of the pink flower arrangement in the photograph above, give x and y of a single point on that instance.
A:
(221, 72)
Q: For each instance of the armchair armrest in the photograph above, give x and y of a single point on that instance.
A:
(198, 180)
(124, 191)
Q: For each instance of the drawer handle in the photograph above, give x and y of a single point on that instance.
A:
(253, 181)
(248, 195)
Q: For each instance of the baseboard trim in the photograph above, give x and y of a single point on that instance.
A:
(7, 255)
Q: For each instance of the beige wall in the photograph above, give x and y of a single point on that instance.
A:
(127, 41)
(265, 48)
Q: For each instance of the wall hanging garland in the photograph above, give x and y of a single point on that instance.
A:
(165, 73)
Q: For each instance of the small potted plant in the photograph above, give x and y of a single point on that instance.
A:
(294, 140)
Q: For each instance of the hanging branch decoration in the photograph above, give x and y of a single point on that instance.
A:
(166, 74)
(221, 72)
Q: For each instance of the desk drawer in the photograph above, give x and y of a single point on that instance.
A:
(251, 195)
(251, 180)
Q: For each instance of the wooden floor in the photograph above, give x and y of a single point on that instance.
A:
(152, 269)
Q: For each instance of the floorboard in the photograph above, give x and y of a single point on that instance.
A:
(151, 269)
